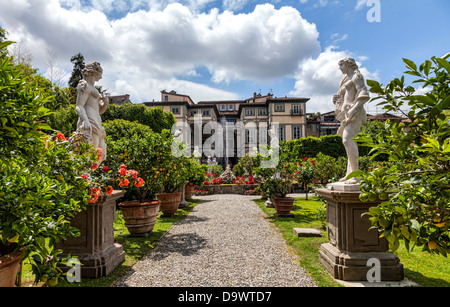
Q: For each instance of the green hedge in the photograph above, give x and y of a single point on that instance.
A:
(156, 118)
(330, 145)
(65, 119)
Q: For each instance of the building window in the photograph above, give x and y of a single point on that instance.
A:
(296, 132)
(281, 135)
(205, 112)
(249, 112)
(193, 113)
(231, 107)
(279, 108)
(176, 110)
(262, 111)
(296, 110)
(263, 135)
(313, 128)
(166, 98)
(250, 136)
(223, 107)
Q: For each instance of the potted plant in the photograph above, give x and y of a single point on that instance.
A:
(278, 186)
(139, 206)
(173, 178)
(194, 176)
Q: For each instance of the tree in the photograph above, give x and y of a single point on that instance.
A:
(55, 73)
(78, 66)
(415, 186)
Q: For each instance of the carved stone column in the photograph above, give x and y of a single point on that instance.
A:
(351, 243)
(95, 247)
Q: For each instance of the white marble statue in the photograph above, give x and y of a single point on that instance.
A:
(90, 105)
(349, 106)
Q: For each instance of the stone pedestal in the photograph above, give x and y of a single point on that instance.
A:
(95, 247)
(351, 243)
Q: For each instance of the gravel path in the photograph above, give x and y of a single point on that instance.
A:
(225, 241)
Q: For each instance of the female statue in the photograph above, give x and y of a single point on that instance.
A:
(349, 106)
(89, 106)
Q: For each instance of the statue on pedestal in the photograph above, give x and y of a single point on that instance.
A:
(349, 106)
(90, 105)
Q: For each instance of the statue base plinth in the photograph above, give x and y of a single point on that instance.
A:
(343, 186)
(352, 242)
(95, 247)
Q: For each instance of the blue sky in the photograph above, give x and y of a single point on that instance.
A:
(220, 50)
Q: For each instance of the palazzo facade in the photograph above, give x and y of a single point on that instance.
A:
(257, 115)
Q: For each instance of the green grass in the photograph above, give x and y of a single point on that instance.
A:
(424, 268)
(135, 248)
(306, 216)
(419, 266)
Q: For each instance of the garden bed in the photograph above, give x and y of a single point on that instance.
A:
(241, 189)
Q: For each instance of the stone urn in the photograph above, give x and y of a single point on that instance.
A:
(283, 206)
(10, 266)
(189, 191)
(140, 218)
(169, 202)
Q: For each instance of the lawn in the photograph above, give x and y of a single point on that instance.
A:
(421, 267)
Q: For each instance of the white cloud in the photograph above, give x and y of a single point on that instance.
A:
(143, 50)
(360, 4)
(319, 78)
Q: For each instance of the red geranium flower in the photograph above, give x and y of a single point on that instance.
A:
(109, 190)
(124, 183)
(139, 182)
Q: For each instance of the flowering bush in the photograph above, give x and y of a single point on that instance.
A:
(242, 180)
(151, 155)
(277, 181)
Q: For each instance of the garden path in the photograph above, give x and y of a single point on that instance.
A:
(226, 241)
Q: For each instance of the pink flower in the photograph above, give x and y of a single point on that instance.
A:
(105, 168)
(94, 166)
(133, 173)
(122, 171)
(99, 151)
(84, 177)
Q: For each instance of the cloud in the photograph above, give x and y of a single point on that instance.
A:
(145, 49)
(319, 78)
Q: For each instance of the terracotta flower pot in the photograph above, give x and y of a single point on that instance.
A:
(283, 206)
(140, 218)
(169, 202)
(9, 268)
(189, 191)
